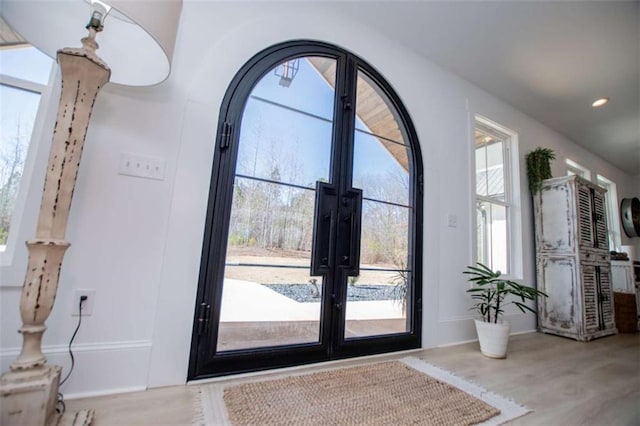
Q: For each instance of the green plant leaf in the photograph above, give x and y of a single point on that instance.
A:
(491, 292)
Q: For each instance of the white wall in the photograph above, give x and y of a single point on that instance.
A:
(138, 242)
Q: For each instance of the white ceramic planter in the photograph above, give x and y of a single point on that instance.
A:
(493, 338)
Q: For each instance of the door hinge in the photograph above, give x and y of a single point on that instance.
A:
(225, 135)
(203, 318)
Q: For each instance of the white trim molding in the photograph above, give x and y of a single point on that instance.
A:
(574, 168)
(613, 211)
(102, 368)
(82, 347)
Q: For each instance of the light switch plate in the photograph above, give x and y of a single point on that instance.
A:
(141, 166)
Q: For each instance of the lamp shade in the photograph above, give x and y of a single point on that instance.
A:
(137, 42)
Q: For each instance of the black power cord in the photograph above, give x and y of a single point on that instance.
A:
(60, 406)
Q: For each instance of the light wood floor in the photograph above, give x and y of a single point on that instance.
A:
(564, 381)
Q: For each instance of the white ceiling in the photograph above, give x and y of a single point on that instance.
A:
(548, 59)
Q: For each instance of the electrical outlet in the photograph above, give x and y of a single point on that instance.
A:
(87, 305)
(452, 221)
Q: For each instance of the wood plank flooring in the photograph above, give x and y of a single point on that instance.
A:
(564, 381)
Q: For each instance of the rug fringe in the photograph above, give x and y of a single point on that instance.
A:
(211, 403)
(198, 416)
(509, 409)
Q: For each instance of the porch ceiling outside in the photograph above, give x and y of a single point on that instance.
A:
(372, 110)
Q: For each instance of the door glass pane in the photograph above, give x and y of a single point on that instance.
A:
(375, 113)
(377, 300)
(286, 129)
(268, 305)
(268, 297)
(377, 303)
(384, 240)
(377, 170)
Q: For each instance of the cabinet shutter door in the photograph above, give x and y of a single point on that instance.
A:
(585, 223)
(606, 301)
(590, 298)
(600, 222)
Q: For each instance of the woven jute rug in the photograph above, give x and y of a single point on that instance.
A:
(385, 393)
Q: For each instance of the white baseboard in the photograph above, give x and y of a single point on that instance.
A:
(459, 330)
(79, 395)
(100, 368)
(523, 332)
(445, 345)
(476, 339)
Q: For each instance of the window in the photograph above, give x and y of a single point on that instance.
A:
(24, 74)
(613, 215)
(574, 168)
(497, 211)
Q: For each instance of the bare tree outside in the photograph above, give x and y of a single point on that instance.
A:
(28, 70)
(280, 218)
(12, 157)
(270, 215)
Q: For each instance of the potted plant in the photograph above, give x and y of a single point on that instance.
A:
(490, 292)
(539, 167)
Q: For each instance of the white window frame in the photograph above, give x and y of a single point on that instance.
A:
(613, 211)
(574, 168)
(512, 195)
(44, 90)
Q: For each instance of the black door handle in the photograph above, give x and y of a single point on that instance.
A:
(324, 226)
(336, 218)
(349, 231)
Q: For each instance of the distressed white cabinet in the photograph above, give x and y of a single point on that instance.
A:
(622, 276)
(573, 263)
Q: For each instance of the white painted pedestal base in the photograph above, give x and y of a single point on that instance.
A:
(24, 394)
(29, 398)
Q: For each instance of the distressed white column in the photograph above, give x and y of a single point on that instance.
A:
(29, 391)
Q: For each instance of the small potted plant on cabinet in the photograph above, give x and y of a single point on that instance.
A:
(539, 167)
(490, 292)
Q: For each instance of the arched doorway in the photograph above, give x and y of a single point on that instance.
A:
(313, 237)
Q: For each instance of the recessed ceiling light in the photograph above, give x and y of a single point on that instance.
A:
(599, 102)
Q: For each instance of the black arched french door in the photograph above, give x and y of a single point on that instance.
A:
(312, 247)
